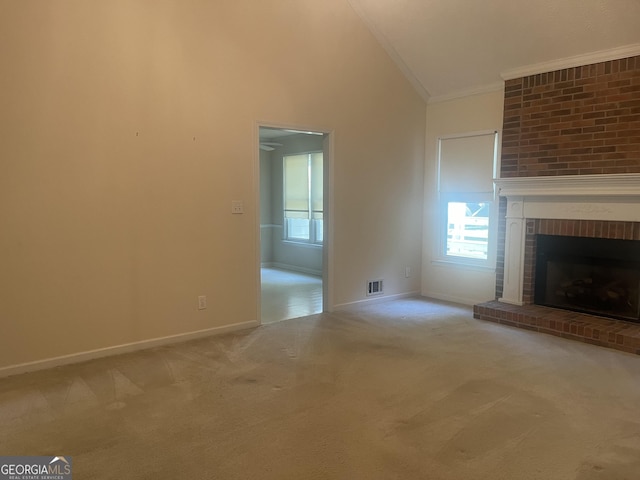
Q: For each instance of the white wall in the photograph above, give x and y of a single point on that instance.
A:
(456, 283)
(127, 128)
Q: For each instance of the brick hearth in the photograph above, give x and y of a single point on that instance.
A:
(605, 332)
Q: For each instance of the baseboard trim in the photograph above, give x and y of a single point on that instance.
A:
(120, 349)
(452, 298)
(374, 300)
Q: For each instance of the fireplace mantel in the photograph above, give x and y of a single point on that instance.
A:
(616, 185)
(613, 197)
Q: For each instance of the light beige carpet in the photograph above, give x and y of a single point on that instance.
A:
(409, 389)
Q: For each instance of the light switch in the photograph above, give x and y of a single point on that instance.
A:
(237, 207)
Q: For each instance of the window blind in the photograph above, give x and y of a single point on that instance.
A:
(466, 163)
(296, 186)
(303, 195)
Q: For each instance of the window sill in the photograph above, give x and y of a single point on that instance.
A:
(302, 244)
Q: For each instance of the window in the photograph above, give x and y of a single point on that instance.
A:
(303, 198)
(466, 168)
(468, 229)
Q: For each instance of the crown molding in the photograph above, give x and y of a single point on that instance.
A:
(492, 87)
(391, 51)
(575, 61)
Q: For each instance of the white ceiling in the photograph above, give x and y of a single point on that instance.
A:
(452, 47)
(272, 133)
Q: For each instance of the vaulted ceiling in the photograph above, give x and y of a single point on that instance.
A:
(452, 47)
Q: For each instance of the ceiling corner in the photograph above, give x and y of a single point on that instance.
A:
(575, 61)
(391, 51)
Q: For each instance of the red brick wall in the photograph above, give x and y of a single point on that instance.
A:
(576, 121)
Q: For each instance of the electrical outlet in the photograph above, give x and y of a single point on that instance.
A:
(237, 207)
(202, 302)
(407, 272)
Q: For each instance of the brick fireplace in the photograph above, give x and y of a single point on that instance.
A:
(570, 167)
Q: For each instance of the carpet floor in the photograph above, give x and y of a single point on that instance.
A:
(409, 389)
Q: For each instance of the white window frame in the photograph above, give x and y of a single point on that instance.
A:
(444, 198)
(313, 231)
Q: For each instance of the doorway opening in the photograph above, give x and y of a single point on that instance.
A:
(293, 166)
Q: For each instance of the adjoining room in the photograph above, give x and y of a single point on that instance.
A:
(292, 223)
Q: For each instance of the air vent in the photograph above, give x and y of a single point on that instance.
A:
(374, 287)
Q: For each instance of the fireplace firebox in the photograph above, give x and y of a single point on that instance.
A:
(592, 275)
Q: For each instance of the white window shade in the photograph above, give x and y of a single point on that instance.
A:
(466, 163)
(296, 186)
